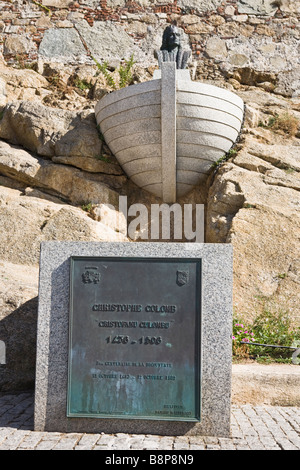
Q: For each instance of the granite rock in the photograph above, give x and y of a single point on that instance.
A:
(216, 48)
(106, 41)
(254, 205)
(17, 44)
(57, 3)
(18, 84)
(70, 183)
(28, 217)
(257, 7)
(49, 131)
(261, 384)
(256, 58)
(200, 7)
(62, 44)
(290, 6)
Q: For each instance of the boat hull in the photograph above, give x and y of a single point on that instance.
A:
(207, 122)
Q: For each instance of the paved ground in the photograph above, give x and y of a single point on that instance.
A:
(253, 428)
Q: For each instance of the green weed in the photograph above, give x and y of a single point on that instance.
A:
(103, 158)
(231, 153)
(268, 328)
(103, 68)
(87, 207)
(124, 72)
(82, 84)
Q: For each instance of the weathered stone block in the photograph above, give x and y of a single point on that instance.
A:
(257, 7)
(17, 45)
(57, 3)
(216, 48)
(63, 44)
(70, 183)
(203, 6)
(105, 40)
(51, 131)
(290, 6)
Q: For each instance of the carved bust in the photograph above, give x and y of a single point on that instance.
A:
(171, 38)
(171, 50)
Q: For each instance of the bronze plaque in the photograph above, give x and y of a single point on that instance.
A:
(134, 344)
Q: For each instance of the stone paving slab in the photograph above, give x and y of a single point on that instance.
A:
(252, 428)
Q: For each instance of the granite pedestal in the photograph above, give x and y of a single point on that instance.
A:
(213, 328)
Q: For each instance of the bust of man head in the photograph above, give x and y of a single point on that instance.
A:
(171, 38)
(171, 50)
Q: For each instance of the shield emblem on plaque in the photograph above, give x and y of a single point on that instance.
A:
(89, 277)
(182, 277)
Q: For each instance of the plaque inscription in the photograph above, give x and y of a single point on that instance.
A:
(134, 338)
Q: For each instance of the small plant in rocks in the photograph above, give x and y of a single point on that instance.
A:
(241, 336)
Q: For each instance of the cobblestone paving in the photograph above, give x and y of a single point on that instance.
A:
(252, 428)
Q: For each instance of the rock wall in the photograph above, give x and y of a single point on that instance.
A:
(57, 176)
(251, 41)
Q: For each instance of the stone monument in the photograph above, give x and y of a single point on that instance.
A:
(168, 133)
(134, 338)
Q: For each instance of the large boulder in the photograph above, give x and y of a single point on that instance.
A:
(254, 204)
(21, 84)
(28, 217)
(74, 185)
(50, 131)
(65, 136)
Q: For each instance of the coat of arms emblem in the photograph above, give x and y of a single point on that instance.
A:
(89, 277)
(182, 277)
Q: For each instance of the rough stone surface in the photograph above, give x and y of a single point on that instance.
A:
(106, 41)
(18, 84)
(27, 218)
(206, 5)
(57, 3)
(290, 6)
(257, 58)
(110, 217)
(18, 320)
(289, 83)
(63, 44)
(65, 181)
(254, 205)
(92, 164)
(50, 131)
(17, 45)
(271, 384)
(216, 48)
(257, 7)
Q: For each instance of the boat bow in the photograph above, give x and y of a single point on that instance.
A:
(168, 133)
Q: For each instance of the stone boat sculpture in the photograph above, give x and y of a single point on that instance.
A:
(168, 132)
